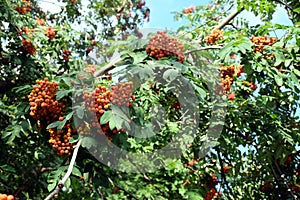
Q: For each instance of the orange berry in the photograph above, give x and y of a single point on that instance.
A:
(3, 197)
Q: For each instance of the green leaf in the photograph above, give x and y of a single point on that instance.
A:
(194, 196)
(106, 117)
(61, 94)
(138, 57)
(287, 62)
(53, 125)
(69, 115)
(80, 112)
(76, 171)
(170, 74)
(61, 124)
(22, 88)
(88, 142)
(297, 72)
(68, 183)
(279, 58)
(278, 80)
(74, 139)
(297, 10)
(51, 186)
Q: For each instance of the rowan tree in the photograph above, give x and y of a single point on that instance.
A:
(206, 112)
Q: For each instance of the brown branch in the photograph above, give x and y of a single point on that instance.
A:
(284, 180)
(222, 171)
(107, 67)
(228, 18)
(101, 194)
(61, 183)
(46, 169)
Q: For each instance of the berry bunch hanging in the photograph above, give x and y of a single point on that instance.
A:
(43, 103)
(214, 36)
(262, 41)
(50, 32)
(66, 55)
(98, 101)
(122, 94)
(190, 9)
(212, 194)
(161, 45)
(25, 8)
(28, 46)
(227, 73)
(60, 140)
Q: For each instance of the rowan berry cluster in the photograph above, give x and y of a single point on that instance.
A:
(39, 21)
(214, 36)
(227, 73)
(239, 70)
(90, 69)
(28, 46)
(6, 197)
(60, 140)
(43, 104)
(189, 10)
(122, 94)
(262, 41)
(24, 9)
(161, 45)
(98, 101)
(212, 194)
(66, 55)
(213, 181)
(50, 32)
(26, 30)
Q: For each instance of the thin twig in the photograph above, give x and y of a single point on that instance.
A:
(61, 184)
(284, 180)
(222, 172)
(45, 169)
(101, 194)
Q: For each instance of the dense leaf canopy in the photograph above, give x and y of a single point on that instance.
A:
(92, 107)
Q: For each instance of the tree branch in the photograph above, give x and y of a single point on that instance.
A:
(228, 18)
(284, 180)
(61, 184)
(107, 67)
(222, 171)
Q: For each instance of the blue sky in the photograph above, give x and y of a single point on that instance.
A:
(161, 16)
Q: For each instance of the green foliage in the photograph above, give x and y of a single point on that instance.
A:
(242, 142)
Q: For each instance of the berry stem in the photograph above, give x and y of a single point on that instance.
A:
(61, 184)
